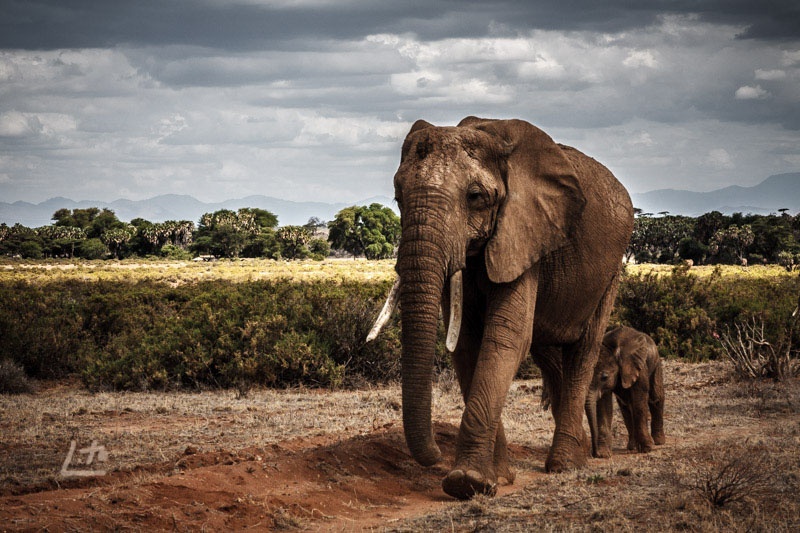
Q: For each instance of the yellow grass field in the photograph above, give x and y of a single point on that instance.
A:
(179, 272)
(244, 270)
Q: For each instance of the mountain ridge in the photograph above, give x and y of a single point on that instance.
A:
(177, 207)
(775, 192)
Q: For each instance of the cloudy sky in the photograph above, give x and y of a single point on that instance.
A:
(310, 99)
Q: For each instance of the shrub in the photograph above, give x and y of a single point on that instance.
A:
(149, 335)
(343, 323)
(30, 250)
(733, 476)
(13, 379)
(319, 248)
(673, 310)
(92, 249)
(754, 355)
(171, 251)
(220, 334)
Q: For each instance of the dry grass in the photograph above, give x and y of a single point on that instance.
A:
(180, 272)
(726, 440)
(144, 428)
(243, 270)
(715, 425)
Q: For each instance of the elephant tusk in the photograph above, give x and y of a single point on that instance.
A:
(388, 308)
(456, 303)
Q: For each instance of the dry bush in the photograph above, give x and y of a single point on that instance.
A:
(754, 356)
(13, 379)
(734, 476)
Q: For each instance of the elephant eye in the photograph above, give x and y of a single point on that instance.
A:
(474, 195)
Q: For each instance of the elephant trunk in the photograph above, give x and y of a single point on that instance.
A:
(422, 270)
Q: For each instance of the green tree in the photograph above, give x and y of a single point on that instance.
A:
(20, 240)
(293, 240)
(116, 237)
(319, 248)
(372, 231)
(263, 218)
(60, 241)
(707, 225)
(30, 249)
(77, 218)
(92, 249)
(658, 238)
(773, 234)
(732, 241)
(226, 233)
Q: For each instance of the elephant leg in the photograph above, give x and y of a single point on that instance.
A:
(656, 405)
(508, 328)
(465, 358)
(548, 359)
(624, 403)
(578, 361)
(605, 417)
(502, 467)
(639, 416)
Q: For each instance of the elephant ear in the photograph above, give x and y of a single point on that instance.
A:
(543, 198)
(633, 361)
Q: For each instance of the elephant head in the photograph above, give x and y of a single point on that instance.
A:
(499, 192)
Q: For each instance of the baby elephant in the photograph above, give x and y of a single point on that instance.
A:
(629, 367)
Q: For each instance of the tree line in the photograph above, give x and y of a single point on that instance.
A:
(715, 238)
(92, 233)
(374, 232)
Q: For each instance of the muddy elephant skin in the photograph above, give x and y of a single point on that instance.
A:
(530, 234)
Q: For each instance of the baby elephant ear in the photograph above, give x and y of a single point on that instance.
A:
(543, 199)
(628, 370)
(633, 358)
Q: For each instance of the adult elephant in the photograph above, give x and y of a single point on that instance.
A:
(529, 235)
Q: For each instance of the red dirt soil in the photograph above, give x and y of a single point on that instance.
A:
(364, 482)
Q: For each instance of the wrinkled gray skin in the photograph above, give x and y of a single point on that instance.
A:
(538, 230)
(629, 368)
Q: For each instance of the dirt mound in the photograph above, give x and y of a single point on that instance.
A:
(317, 483)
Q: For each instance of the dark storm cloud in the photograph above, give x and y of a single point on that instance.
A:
(54, 24)
(310, 99)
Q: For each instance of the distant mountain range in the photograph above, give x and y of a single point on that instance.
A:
(178, 207)
(776, 192)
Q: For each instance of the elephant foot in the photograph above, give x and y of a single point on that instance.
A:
(641, 446)
(566, 453)
(603, 452)
(505, 476)
(464, 484)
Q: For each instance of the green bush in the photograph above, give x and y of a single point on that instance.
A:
(92, 249)
(279, 333)
(170, 251)
(146, 335)
(671, 309)
(686, 314)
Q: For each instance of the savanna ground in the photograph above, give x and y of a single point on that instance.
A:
(307, 459)
(317, 460)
